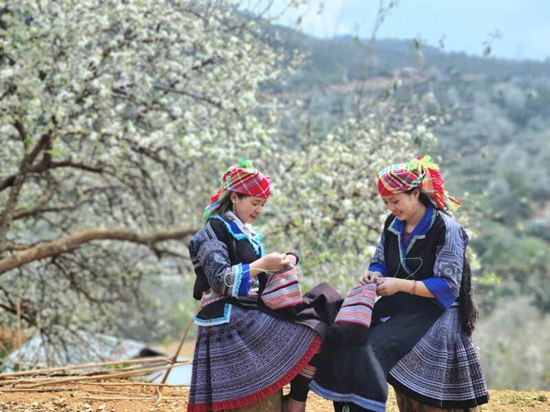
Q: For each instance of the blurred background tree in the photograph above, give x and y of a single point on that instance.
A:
(114, 118)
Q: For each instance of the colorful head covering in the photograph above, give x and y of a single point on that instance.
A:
(243, 178)
(421, 173)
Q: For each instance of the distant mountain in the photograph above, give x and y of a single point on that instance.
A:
(342, 58)
(494, 137)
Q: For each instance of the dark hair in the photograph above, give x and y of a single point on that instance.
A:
(467, 308)
(226, 204)
(423, 197)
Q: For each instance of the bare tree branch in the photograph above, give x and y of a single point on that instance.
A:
(56, 247)
(192, 95)
(40, 203)
(45, 165)
(27, 310)
(26, 164)
(24, 213)
(21, 129)
(76, 165)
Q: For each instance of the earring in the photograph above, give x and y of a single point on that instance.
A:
(233, 207)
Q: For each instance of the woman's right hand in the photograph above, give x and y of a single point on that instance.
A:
(370, 277)
(273, 262)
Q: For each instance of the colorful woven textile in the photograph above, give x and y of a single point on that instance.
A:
(420, 172)
(443, 369)
(357, 306)
(283, 288)
(243, 178)
(242, 362)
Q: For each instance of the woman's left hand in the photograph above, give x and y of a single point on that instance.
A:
(388, 286)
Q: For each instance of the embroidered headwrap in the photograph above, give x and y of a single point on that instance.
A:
(421, 173)
(241, 178)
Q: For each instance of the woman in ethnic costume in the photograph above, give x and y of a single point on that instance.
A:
(419, 339)
(246, 352)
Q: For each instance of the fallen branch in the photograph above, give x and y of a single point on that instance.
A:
(151, 359)
(131, 398)
(131, 383)
(78, 385)
(43, 382)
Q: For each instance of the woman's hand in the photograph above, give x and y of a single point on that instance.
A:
(272, 262)
(389, 286)
(370, 277)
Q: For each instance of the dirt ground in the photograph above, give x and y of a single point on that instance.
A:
(118, 398)
(126, 396)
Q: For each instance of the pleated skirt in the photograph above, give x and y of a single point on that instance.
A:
(247, 360)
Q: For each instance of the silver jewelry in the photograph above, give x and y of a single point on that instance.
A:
(225, 280)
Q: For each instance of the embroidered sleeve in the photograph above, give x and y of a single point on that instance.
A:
(377, 263)
(201, 284)
(224, 279)
(448, 266)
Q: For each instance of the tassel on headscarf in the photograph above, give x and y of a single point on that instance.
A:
(241, 178)
(420, 173)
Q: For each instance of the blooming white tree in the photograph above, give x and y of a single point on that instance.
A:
(115, 120)
(329, 209)
(113, 116)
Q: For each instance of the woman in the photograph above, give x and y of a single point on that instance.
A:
(419, 339)
(246, 352)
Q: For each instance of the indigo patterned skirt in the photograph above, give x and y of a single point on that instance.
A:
(407, 404)
(241, 362)
(443, 369)
(414, 346)
(351, 372)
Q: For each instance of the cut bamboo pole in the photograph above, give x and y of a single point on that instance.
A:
(131, 383)
(85, 366)
(43, 382)
(79, 385)
(175, 357)
(131, 398)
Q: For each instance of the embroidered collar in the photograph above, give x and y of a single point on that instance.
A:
(397, 227)
(241, 231)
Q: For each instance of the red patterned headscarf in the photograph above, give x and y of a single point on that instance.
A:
(421, 173)
(242, 178)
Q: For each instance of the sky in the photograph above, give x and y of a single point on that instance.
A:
(522, 26)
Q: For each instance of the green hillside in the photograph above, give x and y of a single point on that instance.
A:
(493, 142)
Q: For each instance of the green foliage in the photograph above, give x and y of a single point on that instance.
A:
(494, 141)
(514, 356)
(514, 264)
(495, 147)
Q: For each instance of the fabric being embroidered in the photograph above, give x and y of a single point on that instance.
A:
(357, 306)
(283, 288)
